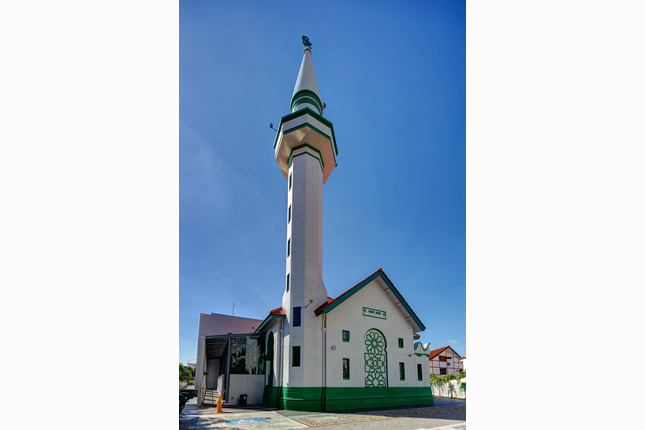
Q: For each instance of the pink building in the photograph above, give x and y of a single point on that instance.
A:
(444, 361)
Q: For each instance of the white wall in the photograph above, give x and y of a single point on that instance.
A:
(444, 392)
(349, 316)
(251, 385)
(213, 374)
(220, 384)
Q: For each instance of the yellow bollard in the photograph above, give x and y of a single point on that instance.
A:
(219, 404)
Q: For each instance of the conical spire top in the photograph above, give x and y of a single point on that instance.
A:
(306, 93)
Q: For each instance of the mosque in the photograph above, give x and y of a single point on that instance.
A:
(315, 352)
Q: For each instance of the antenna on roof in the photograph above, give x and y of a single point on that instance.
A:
(233, 308)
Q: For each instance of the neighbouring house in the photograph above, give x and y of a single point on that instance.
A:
(444, 361)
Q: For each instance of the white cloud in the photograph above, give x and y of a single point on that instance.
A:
(453, 341)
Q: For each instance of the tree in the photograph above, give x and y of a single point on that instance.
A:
(449, 379)
(435, 380)
(185, 372)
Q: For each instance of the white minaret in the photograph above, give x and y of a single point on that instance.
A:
(305, 149)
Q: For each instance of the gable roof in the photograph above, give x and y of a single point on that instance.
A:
(276, 313)
(436, 352)
(333, 303)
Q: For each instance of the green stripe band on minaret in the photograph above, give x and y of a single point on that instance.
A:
(306, 146)
(307, 153)
(291, 130)
(308, 94)
(308, 111)
(309, 100)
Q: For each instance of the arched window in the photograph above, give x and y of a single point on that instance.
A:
(375, 359)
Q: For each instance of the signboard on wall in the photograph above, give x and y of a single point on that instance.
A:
(374, 313)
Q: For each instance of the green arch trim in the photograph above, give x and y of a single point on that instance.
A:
(382, 334)
(376, 368)
(270, 347)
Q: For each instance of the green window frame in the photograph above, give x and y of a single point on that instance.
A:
(289, 220)
(400, 342)
(295, 356)
(345, 368)
(419, 372)
(288, 247)
(290, 175)
(402, 371)
(296, 316)
(345, 335)
(288, 282)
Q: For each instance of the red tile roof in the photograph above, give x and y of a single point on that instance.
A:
(417, 336)
(436, 352)
(278, 311)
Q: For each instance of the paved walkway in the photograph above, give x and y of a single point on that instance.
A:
(445, 414)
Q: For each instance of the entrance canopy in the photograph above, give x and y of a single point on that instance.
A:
(238, 354)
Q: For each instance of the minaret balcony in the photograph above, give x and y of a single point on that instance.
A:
(306, 129)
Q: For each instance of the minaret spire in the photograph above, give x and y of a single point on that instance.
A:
(306, 92)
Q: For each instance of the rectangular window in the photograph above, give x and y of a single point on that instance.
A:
(288, 247)
(402, 371)
(295, 356)
(288, 282)
(290, 174)
(296, 317)
(345, 336)
(442, 371)
(289, 215)
(420, 372)
(345, 368)
(441, 358)
(400, 343)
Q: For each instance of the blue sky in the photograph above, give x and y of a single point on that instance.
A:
(393, 76)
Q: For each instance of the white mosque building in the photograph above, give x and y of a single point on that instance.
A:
(315, 352)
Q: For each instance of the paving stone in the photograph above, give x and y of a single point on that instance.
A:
(444, 415)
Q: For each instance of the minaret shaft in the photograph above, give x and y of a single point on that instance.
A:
(304, 267)
(304, 233)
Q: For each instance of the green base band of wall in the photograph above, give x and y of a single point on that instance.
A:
(343, 398)
(273, 397)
